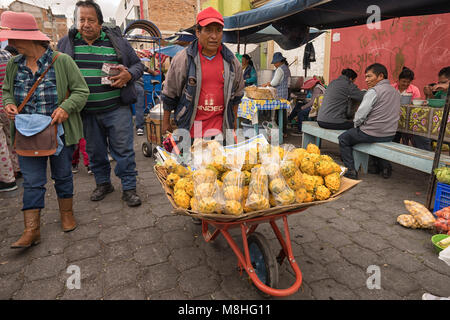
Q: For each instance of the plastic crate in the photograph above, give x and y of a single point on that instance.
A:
(442, 198)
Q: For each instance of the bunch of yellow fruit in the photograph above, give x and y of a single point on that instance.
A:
(258, 198)
(321, 174)
(264, 177)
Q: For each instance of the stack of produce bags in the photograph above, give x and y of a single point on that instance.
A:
(419, 217)
(237, 181)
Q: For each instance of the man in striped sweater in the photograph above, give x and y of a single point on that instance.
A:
(107, 117)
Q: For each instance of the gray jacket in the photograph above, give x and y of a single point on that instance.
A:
(337, 97)
(379, 115)
(184, 81)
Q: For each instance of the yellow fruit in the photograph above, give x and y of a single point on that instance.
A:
(312, 148)
(288, 169)
(322, 193)
(309, 197)
(189, 188)
(251, 159)
(247, 209)
(280, 151)
(219, 163)
(309, 182)
(194, 204)
(170, 165)
(273, 169)
(247, 177)
(272, 200)
(336, 168)
(325, 157)
(324, 168)
(182, 199)
(333, 182)
(207, 205)
(296, 155)
(257, 187)
(308, 166)
(285, 197)
(300, 195)
(181, 170)
(172, 179)
(186, 185)
(233, 207)
(204, 190)
(213, 168)
(224, 175)
(277, 185)
(296, 181)
(245, 191)
(319, 180)
(204, 175)
(233, 178)
(232, 193)
(258, 202)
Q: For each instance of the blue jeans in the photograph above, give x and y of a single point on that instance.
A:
(302, 115)
(34, 171)
(139, 105)
(354, 136)
(113, 129)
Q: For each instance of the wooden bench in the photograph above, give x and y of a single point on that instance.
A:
(395, 152)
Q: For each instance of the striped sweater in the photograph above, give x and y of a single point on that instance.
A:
(90, 59)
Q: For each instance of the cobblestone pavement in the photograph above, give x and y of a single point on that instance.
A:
(149, 253)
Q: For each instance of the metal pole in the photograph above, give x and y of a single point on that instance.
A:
(239, 43)
(437, 155)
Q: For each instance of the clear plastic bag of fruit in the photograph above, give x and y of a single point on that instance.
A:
(233, 183)
(258, 193)
(278, 187)
(420, 213)
(205, 187)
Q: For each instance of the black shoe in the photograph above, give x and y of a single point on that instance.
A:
(131, 198)
(75, 168)
(351, 174)
(387, 173)
(7, 186)
(101, 191)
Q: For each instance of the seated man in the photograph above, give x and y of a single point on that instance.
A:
(443, 79)
(375, 121)
(338, 100)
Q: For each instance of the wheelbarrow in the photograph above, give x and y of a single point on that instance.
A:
(258, 259)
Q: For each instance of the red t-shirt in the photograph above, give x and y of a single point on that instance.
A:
(210, 107)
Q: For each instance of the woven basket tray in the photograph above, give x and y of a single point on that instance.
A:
(161, 173)
(258, 93)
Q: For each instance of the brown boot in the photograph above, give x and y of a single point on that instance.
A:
(67, 220)
(32, 233)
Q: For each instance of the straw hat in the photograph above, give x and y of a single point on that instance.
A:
(20, 25)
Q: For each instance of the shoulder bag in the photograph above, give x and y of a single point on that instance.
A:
(43, 143)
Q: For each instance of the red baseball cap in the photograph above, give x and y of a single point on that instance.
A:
(208, 16)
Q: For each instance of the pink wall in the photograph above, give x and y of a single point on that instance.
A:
(421, 43)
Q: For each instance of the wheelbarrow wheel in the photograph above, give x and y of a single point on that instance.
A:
(147, 149)
(263, 260)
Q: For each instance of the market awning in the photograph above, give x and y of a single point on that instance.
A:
(292, 18)
(328, 14)
(270, 33)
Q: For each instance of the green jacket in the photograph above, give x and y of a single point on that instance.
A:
(68, 77)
